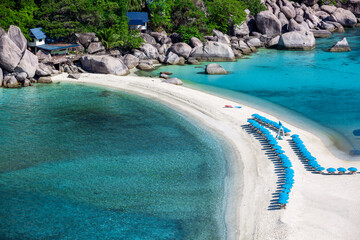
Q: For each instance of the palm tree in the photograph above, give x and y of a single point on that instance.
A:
(110, 39)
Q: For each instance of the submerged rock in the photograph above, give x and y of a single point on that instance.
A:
(341, 46)
(321, 33)
(174, 81)
(297, 40)
(44, 80)
(215, 68)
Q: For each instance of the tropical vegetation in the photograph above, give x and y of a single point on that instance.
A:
(107, 18)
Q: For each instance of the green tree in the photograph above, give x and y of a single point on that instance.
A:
(160, 13)
(255, 6)
(136, 5)
(224, 13)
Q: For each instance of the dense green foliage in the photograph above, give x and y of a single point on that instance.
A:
(107, 18)
(255, 6)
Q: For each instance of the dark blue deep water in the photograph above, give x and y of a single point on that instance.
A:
(80, 162)
(319, 86)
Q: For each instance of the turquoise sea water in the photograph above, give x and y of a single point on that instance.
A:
(80, 162)
(317, 85)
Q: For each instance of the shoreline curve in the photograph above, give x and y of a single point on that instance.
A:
(320, 206)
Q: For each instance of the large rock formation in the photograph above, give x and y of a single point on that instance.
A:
(17, 37)
(195, 42)
(104, 64)
(95, 47)
(181, 49)
(10, 53)
(172, 58)
(131, 61)
(341, 46)
(321, 33)
(297, 40)
(213, 51)
(215, 68)
(28, 64)
(344, 17)
(150, 51)
(268, 24)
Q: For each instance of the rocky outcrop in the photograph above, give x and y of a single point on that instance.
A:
(150, 51)
(344, 17)
(21, 77)
(268, 24)
(181, 49)
(43, 56)
(241, 30)
(297, 40)
(172, 58)
(10, 54)
(195, 42)
(145, 65)
(17, 37)
(28, 64)
(148, 39)
(95, 47)
(213, 51)
(341, 46)
(321, 33)
(215, 68)
(10, 82)
(104, 64)
(131, 61)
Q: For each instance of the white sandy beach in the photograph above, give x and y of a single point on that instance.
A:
(320, 206)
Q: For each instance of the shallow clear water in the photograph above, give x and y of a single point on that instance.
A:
(80, 162)
(319, 85)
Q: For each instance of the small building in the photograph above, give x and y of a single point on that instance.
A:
(37, 37)
(138, 20)
(38, 42)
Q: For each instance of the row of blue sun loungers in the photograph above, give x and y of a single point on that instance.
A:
(269, 123)
(286, 163)
(311, 160)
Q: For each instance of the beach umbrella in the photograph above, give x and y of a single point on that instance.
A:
(320, 169)
(341, 169)
(281, 152)
(282, 201)
(352, 169)
(273, 142)
(287, 164)
(295, 136)
(287, 185)
(283, 195)
(286, 130)
(277, 147)
(331, 170)
(286, 190)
